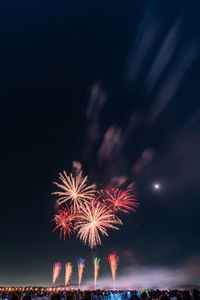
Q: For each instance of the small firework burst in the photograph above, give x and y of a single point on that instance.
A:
(65, 220)
(120, 200)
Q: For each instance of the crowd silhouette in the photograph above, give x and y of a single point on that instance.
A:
(102, 295)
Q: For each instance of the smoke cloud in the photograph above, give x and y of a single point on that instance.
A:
(141, 277)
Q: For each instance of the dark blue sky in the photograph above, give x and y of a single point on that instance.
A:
(115, 85)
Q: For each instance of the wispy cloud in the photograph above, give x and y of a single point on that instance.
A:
(172, 81)
(145, 158)
(96, 102)
(111, 142)
(163, 56)
(77, 166)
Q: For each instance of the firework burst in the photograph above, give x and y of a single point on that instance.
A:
(95, 218)
(73, 189)
(65, 220)
(120, 200)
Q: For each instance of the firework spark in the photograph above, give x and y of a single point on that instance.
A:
(68, 273)
(120, 200)
(73, 188)
(95, 218)
(56, 271)
(65, 220)
(96, 270)
(113, 259)
(80, 264)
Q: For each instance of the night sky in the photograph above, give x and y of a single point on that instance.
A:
(114, 85)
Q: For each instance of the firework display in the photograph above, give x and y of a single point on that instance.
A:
(89, 213)
(56, 271)
(113, 260)
(68, 273)
(80, 264)
(96, 270)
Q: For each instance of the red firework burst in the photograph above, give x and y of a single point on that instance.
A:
(120, 200)
(65, 220)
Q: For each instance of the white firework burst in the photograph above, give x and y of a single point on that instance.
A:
(73, 189)
(95, 218)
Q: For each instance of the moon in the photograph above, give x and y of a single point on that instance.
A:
(156, 186)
